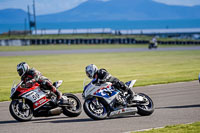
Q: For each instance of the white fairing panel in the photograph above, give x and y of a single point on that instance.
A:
(100, 91)
(34, 95)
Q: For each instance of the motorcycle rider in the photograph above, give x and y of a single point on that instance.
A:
(101, 76)
(30, 75)
(153, 43)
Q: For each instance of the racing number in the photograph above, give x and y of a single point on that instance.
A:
(35, 96)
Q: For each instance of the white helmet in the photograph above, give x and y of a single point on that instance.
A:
(22, 68)
(91, 70)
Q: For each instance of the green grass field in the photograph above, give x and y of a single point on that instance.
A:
(68, 47)
(152, 67)
(182, 128)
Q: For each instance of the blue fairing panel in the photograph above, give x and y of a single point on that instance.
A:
(106, 94)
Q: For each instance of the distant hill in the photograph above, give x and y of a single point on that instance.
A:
(96, 10)
(12, 16)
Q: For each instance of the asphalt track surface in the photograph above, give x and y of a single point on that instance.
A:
(82, 51)
(175, 103)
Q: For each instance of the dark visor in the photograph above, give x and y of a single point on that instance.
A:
(89, 73)
(20, 72)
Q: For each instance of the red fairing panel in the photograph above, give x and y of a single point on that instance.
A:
(40, 102)
(24, 90)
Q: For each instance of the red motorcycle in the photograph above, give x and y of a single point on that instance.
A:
(37, 102)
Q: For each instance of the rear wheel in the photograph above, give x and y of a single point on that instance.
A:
(146, 108)
(94, 110)
(74, 109)
(20, 111)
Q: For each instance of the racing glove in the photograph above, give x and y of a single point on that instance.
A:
(29, 83)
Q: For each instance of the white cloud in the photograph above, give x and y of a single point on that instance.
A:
(180, 2)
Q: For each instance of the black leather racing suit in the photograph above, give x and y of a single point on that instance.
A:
(104, 76)
(33, 75)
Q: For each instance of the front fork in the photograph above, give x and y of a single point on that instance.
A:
(23, 105)
(95, 101)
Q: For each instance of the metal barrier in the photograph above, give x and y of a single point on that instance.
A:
(24, 42)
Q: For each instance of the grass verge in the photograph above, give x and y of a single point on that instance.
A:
(151, 67)
(181, 128)
(67, 47)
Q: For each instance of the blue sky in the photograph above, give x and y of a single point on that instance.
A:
(54, 6)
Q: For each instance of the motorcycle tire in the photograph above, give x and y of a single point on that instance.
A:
(87, 106)
(145, 110)
(18, 113)
(69, 111)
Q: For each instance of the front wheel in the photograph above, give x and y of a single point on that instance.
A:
(20, 111)
(147, 108)
(95, 109)
(75, 109)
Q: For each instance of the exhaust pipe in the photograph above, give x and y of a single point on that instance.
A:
(55, 111)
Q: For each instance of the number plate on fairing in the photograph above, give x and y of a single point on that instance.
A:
(37, 96)
(34, 95)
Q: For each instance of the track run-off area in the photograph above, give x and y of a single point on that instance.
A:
(175, 103)
(82, 51)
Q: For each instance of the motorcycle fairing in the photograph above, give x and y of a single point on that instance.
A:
(123, 111)
(25, 90)
(105, 92)
(88, 86)
(14, 88)
(37, 97)
(40, 102)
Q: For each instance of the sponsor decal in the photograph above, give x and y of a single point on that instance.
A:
(124, 110)
(131, 109)
(40, 102)
(106, 92)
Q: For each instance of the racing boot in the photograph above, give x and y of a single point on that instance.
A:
(64, 101)
(58, 94)
(130, 98)
(128, 90)
(60, 99)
